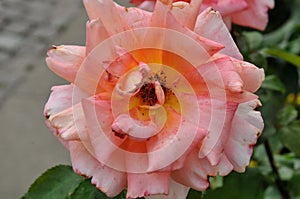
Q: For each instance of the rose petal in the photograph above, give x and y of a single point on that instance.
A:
(255, 16)
(186, 13)
(140, 185)
(99, 119)
(95, 34)
(225, 7)
(246, 127)
(211, 26)
(177, 191)
(108, 180)
(195, 172)
(135, 18)
(61, 94)
(108, 13)
(65, 60)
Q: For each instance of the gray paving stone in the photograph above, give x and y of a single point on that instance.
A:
(10, 41)
(45, 32)
(3, 57)
(18, 27)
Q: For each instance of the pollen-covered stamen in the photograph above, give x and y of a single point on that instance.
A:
(147, 94)
(152, 91)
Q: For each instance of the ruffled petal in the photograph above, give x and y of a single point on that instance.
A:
(251, 75)
(186, 13)
(218, 116)
(108, 180)
(65, 60)
(225, 7)
(147, 5)
(99, 120)
(135, 17)
(65, 124)
(211, 26)
(108, 13)
(209, 46)
(255, 15)
(95, 34)
(59, 100)
(177, 191)
(247, 125)
(195, 172)
(140, 185)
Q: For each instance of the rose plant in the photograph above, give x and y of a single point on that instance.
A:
(157, 101)
(161, 102)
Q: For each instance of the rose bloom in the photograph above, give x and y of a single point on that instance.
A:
(249, 13)
(157, 102)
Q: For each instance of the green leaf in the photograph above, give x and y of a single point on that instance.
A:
(272, 82)
(253, 39)
(56, 183)
(286, 115)
(246, 185)
(272, 193)
(87, 190)
(258, 59)
(293, 185)
(289, 57)
(193, 194)
(84, 190)
(285, 173)
(290, 135)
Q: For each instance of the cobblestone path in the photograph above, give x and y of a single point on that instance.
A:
(26, 29)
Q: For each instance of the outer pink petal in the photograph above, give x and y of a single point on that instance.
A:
(195, 172)
(140, 185)
(210, 46)
(186, 13)
(214, 143)
(135, 18)
(108, 180)
(65, 124)
(177, 191)
(250, 74)
(255, 16)
(95, 34)
(99, 119)
(147, 5)
(225, 7)
(211, 26)
(224, 166)
(246, 127)
(59, 110)
(59, 100)
(65, 60)
(223, 82)
(107, 12)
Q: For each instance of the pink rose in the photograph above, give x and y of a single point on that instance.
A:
(249, 13)
(157, 101)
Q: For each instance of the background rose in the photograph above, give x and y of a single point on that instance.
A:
(249, 13)
(82, 115)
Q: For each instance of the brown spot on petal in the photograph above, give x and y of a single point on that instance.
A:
(120, 135)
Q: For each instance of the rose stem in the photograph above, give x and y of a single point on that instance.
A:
(283, 191)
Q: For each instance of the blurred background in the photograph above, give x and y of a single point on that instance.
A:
(27, 29)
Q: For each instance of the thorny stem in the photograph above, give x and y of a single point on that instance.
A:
(283, 191)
